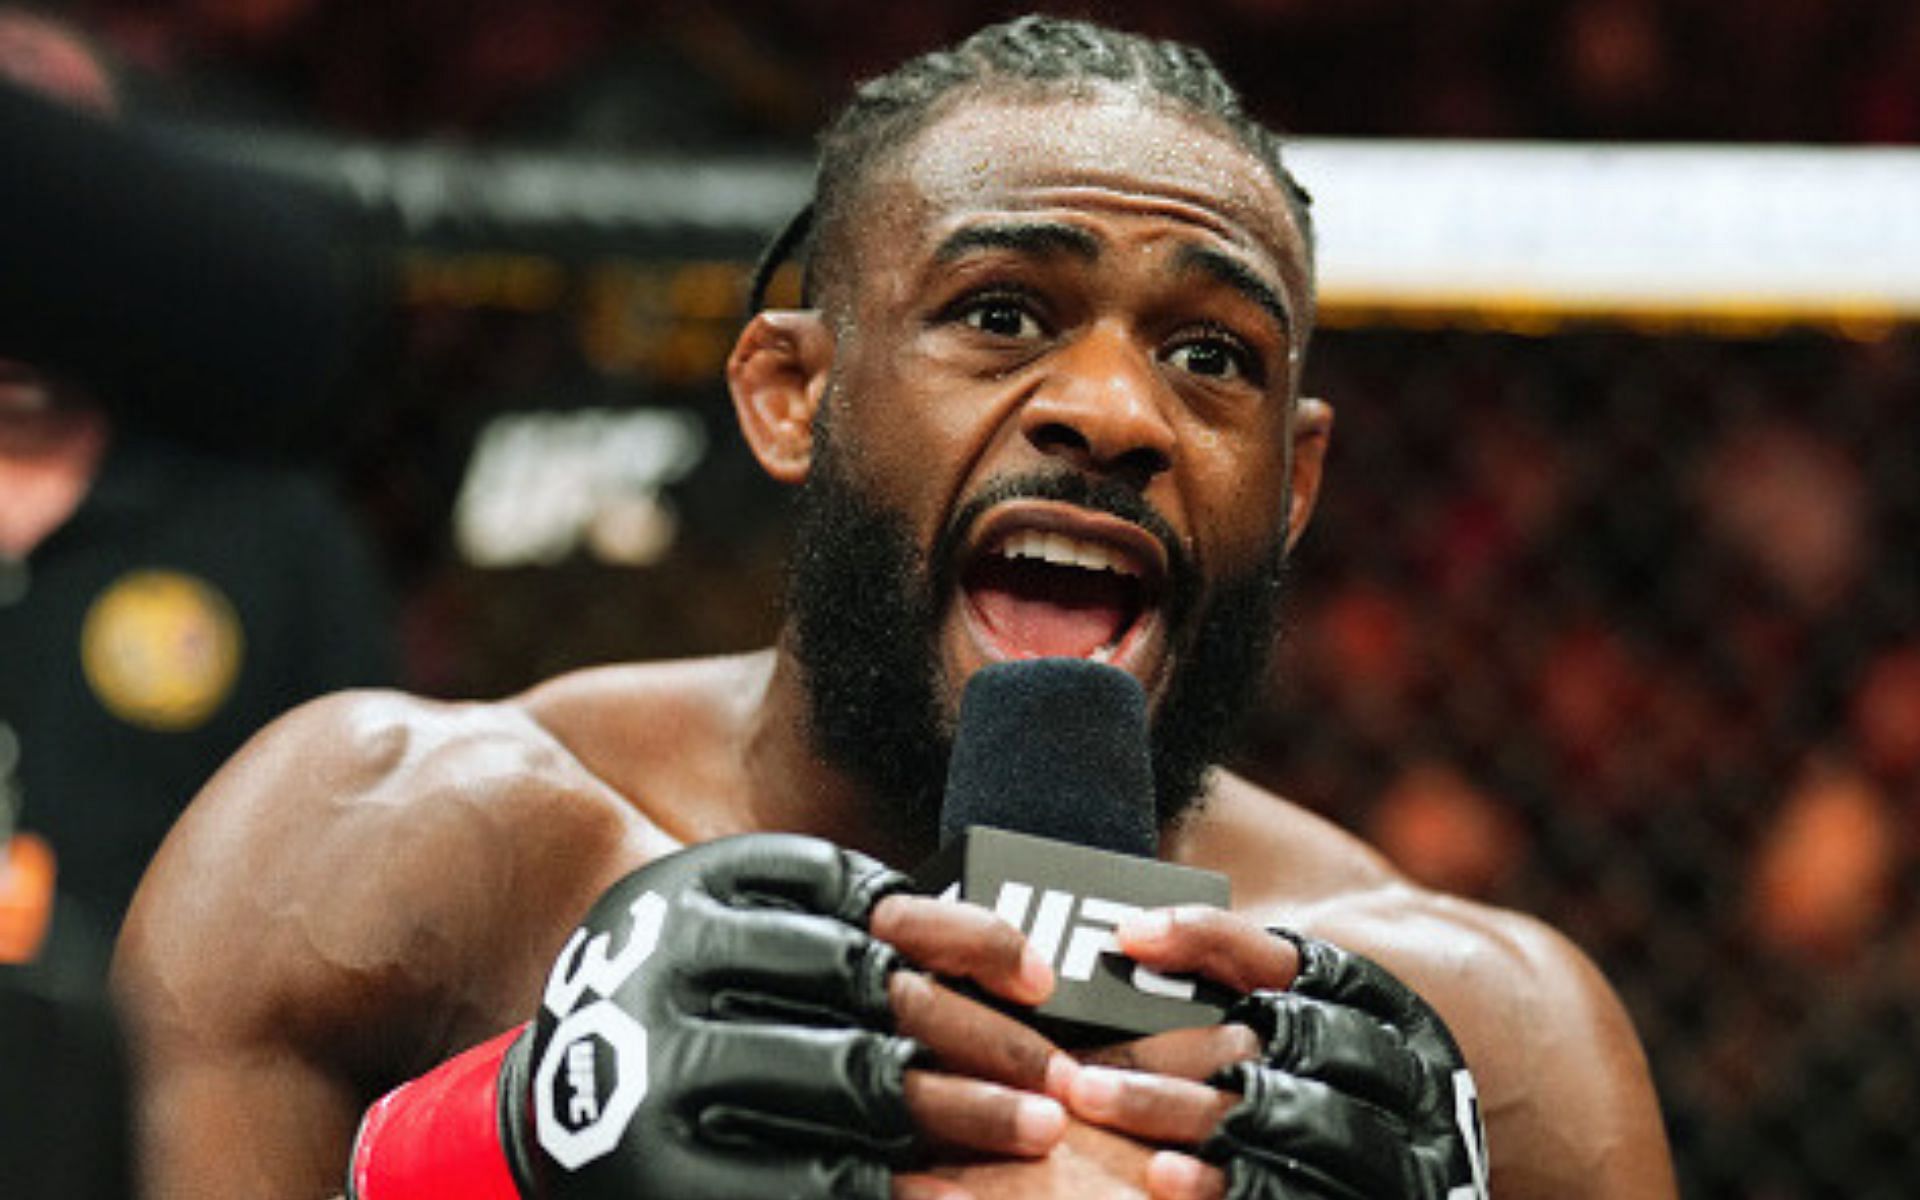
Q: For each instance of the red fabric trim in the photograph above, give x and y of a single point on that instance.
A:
(438, 1135)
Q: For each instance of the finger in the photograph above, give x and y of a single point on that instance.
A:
(1351, 980)
(1349, 1049)
(1175, 1176)
(927, 1187)
(965, 1037)
(824, 1086)
(966, 941)
(1153, 1107)
(1307, 1128)
(1182, 1053)
(1212, 942)
(767, 964)
(970, 1114)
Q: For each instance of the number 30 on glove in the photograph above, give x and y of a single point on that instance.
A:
(718, 1027)
(1361, 1092)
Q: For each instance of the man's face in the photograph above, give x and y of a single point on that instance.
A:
(1060, 404)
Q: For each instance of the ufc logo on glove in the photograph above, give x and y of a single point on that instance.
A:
(593, 1075)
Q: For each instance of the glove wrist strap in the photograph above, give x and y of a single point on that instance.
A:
(438, 1135)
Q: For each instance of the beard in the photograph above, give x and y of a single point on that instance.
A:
(865, 606)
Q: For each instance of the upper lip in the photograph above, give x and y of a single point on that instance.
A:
(1143, 554)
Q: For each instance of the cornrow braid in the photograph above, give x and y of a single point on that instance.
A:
(1033, 56)
(785, 245)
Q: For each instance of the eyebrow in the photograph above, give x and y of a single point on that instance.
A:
(1049, 238)
(1044, 238)
(1241, 278)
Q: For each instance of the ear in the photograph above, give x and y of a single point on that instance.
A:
(1312, 430)
(778, 375)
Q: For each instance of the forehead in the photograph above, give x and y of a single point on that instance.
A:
(1111, 148)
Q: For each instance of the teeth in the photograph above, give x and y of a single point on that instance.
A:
(1065, 551)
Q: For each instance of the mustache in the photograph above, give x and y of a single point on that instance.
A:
(1066, 486)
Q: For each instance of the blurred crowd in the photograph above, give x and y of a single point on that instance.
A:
(1760, 70)
(1619, 630)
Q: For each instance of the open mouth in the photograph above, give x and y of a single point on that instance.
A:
(1044, 593)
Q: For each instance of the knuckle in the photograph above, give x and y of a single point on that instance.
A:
(1002, 944)
(1122, 1056)
(1028, 1056)
(981, 944)
(1201, 920)
(919, 1096)
(999, 1114)
(913, 1000)
(889, 916)
(1236, 1042)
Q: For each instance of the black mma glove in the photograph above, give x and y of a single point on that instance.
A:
(716, 1029)
(1361, 1093)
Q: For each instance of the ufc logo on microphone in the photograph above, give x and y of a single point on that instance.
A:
(1072, 932)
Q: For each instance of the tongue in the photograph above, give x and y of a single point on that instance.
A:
(1051, 612)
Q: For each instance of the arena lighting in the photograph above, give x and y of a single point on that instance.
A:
(1497, 234)
(1737, 234)
(540, 485)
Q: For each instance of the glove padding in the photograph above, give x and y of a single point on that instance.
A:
(718, 1028)
(1361, 1094)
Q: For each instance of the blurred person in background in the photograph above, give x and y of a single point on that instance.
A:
(159, 600)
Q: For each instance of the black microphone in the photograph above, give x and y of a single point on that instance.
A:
(1049, 819)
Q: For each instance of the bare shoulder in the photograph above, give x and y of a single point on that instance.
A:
(371, 855)
(666, 735)
(1564, 1083)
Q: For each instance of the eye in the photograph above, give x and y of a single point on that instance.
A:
(1001, 316)
(1214, 356)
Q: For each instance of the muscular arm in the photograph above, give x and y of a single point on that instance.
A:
(375, 884)
(1564, 1088)
(370, 887)
(346, 904)
(1567, 1098)
(1564, 1085)
(1569, 1108)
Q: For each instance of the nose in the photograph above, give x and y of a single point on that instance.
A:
(1100, 408)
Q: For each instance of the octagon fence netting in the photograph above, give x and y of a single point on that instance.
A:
(1619, 629)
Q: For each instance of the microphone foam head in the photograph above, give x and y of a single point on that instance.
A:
(1055, 748)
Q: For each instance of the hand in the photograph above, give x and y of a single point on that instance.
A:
(1341, 1083)
(738, 1020)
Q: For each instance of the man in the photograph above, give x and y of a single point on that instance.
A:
(152, 616)
(158, 603)
(1045, 404)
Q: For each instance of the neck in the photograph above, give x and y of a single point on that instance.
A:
(796, 790)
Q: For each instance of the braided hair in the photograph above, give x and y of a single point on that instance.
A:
(1034, 56)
